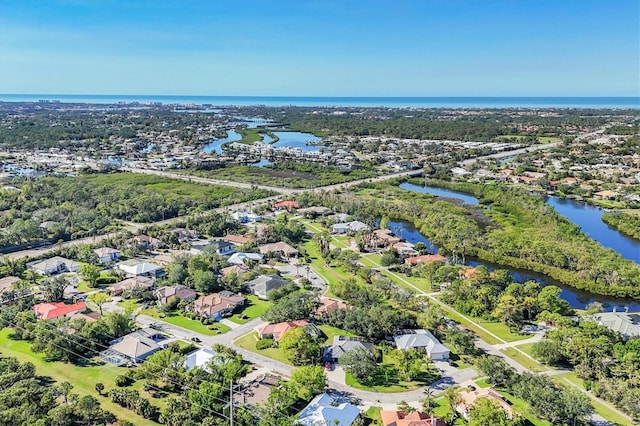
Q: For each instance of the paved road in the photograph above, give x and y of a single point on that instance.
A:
(504, 154)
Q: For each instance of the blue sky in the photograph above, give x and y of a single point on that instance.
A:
(321, 47)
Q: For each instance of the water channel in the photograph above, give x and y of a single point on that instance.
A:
(576, 298)
(285, 139)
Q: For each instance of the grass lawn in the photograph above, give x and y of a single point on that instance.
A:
(129, 305)
(454, 315)
(254, 307)
(482, 383)
(569, 379)
(196, 326)
(455, 358)
(523, 408)
(331, 332)
(388, 380)
(502, 331)
(526, 348)
(372, 415)
(248, 342)
(443, 410)
(82, 378)
(523, 359)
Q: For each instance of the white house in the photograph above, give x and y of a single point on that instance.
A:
(199, 359)
(244, 258)
(327, 409)
(137, 268)
(107, 254)
(423, 340)
(349, 227)
(54, 265)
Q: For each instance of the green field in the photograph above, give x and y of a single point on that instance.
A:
(502, 331)
(83, 378)
(523, 359)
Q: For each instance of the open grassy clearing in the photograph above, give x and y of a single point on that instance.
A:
(83, 378)
(196, 326)
(523, 359)
(331, 332)
(254, 307)
(502, 331)
(248, 342)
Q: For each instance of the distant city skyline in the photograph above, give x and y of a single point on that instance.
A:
(321, 47)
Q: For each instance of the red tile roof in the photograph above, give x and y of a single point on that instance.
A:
(277, 330)
(426, 258)
(287, 204)
(47, 311)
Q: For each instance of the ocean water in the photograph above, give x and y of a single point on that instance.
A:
(397, 102)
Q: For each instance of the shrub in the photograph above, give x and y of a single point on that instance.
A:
(122, 380)
(265, 344)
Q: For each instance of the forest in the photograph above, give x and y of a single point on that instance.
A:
(90, 204)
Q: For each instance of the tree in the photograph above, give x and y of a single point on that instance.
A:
(549, 300)
(309, 381)
(509, 311)
(99, 388)
(54, 289)
(119, 323)
(301, 345)
(359, 362)
(91, 273)
(162, 368)
(485, 412)
(500, 373)
(548, 351)
(99, 299)
(461, 340)
(65, 390)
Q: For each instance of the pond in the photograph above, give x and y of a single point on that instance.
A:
(298, 140)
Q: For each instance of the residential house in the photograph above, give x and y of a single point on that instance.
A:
(328, 409)
(628, 325)
(129, 284)
(425, 258)
(349, 227)
(184, 235)
(342, 345)
(256, 391)
(167, 293)
(281, 248)
(286, 205)
(107, 254)
(242, 258)
(422, 340)
(222, 248)
(6, 283)
(217, 304)
(237, 240)
(51, 311)
(384, 238)
(415, 418)
(53, 265)
(468, 398)
(315, 211)
(276, 331)
(405, 249)
(605, 195)
(140, 268)
(246, 217)
(234, 269)
(133, 348)
(328, 305)
(199, 359)
(261, 285)
(146, 242)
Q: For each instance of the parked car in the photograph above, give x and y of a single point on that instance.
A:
(196, 339)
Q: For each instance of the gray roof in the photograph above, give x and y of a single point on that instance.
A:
(262, 284)
(626, 324)
(342, 345)
(419, 339)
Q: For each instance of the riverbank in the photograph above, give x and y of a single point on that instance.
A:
(518, 230)
(626, 222)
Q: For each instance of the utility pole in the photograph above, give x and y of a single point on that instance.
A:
(231, 403)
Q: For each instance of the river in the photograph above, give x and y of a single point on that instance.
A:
(285, 139)
(577, 298)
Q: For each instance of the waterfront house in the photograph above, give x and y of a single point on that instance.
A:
(426, 258)
(628, 325)
(349, 227)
